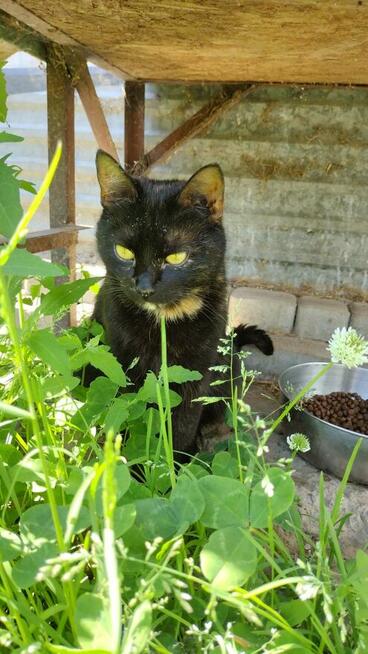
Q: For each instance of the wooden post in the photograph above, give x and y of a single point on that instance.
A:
(60, 113)
(92, 105)
(134, 123)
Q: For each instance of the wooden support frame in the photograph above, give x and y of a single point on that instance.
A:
(67, 70)
(60, 114)
(47, 239)
(134, 124)
(85, 87)
(35, 33)
(200, 121)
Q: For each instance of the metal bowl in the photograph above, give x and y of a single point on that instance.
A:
(331, 446)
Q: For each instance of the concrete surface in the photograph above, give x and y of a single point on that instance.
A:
(271, 310)
(317, 318)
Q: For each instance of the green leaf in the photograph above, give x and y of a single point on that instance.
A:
(179, 375)
(10, 207)
(138, 631)
(27, 186)
(31, 469)
(229, 558)
(136, 409)
(295, 611)
(193, 470)
(288, 642)
(283, 495)
(156, 517)
(14, 411)
(9, 454)
(3, 95)
(226, 502)
(59, 385)
(92, 621)
(148, 392)
(174, 399)
(187, 502)
(208, 399)
(122, 476)
(47, 347)
(124, 518)
(10, 545)
(224, 464)
(99, 357)
(60, 649)
(99, 396)
(25, 264)
(117, 414)
(5, 137)
(136, 491)
(70, 341)
(25, 570)
(61, 297)
(36, 524)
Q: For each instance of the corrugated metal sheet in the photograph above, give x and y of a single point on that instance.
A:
(296, 167)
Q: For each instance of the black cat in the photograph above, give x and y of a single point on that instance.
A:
(163, 245)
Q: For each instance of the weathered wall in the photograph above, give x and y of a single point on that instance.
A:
(296, 167)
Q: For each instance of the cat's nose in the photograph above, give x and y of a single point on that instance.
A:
(144, 285)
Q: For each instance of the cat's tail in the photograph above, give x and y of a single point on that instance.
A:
(251, 335)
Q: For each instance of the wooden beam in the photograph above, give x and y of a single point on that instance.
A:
(51, 33)
(294, 41)
(91, 103)
(200, 121)
(134, 124)
(60, 115)
(48, 239)
(23, 38)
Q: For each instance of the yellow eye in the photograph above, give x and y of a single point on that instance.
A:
(177, 258)
(124, 253)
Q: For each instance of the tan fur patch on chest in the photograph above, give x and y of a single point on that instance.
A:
(188, 307)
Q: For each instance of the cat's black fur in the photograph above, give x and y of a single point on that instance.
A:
(154, 219)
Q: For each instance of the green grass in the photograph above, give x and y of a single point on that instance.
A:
(190, 560)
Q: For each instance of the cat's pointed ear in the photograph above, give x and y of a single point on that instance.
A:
(115, 184)
(206, 187)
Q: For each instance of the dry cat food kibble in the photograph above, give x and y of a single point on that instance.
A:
(347, 410)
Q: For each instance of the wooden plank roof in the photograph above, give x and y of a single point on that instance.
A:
(306, 41)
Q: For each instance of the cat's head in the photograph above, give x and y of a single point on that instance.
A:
(162, 242)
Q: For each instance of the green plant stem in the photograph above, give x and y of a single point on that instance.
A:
(165, 379)
(165, 439)
(239, 595)
(4, 475)
(110, 559)
(29, 392)
(18, 619)
(22, 227)
(234, 409)
(297, 398)
(21, 365)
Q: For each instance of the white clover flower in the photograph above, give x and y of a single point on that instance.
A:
(259, 423)
(298, 442)
(307, 589)
(262, 449)
(267, 486)
(327, 603)
(346, 346)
